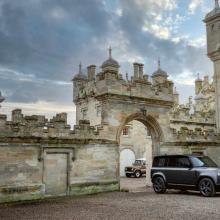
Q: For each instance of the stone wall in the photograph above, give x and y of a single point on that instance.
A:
(45, 158)
(138, 140)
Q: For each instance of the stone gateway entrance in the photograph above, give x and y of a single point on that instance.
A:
(57, 160)
(145, 137)
(56, 175)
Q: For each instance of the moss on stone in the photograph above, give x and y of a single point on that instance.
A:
(86, 190)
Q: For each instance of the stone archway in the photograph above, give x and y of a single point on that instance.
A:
(152, 125)
(156, 134)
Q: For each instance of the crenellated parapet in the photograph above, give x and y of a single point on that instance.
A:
(110, 81)
(194, 134)
(38, 126)
(195, 121)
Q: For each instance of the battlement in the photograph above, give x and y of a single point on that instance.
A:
(182, 114)
(39, 126)
(194, 134)
(114, 84)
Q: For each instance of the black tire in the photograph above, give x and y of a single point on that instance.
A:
(137, 174)
(128, 175)
(207, 187)
(159, 185)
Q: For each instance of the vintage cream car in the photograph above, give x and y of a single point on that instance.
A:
(137, 169)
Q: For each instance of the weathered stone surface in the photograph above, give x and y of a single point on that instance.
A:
(41, 157)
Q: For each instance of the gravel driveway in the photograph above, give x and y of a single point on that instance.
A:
(118, 205)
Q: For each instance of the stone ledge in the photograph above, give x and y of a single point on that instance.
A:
(54, 140)
(191, 122)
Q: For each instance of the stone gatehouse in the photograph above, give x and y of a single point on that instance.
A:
(41, 157)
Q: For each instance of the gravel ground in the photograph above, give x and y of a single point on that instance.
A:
(118, 205)
(133, 184)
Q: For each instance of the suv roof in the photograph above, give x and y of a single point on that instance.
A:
(179, 155)
(140, 159)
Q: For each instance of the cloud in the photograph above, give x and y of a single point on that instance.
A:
(49, 109)
(42, 43)
(194, 5)
(177, 53)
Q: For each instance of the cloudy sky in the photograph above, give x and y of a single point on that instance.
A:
(43, 41)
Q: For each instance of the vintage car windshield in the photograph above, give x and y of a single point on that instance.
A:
(203, 162)
(138, 162)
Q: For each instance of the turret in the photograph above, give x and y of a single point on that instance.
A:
(212, 21)
(110, 65)
(79, 81)
(198, 85)
(159, 76)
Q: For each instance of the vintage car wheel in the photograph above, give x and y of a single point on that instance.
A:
(159, 184)
(137, 174)
(207, 187)
(128, 175)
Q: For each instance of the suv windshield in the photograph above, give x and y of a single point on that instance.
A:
(203, 162)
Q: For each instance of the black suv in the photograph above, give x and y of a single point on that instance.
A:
(185, 173)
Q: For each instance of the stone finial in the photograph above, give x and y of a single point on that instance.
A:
(190, 100)
(159, 63)
(198, 79)
(127, 76)
(110, 52)
(80, 68)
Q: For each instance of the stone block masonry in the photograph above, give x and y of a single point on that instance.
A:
(53, 163)
(41, 157)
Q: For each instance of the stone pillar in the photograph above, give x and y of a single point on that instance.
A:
(136, 71)
(213, 51)
(217, 92)
(17, 116)
(91, 72)
(141, 70)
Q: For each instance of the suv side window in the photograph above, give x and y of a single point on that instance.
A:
(159, 162)
(172, 162)
(182, 162)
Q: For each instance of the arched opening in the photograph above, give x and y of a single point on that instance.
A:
(127, 157)
(139, 139)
